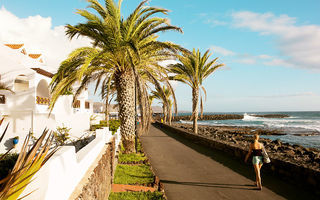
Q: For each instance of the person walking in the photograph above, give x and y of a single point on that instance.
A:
(256, 149)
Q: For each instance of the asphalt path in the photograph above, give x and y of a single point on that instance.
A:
(190, 171)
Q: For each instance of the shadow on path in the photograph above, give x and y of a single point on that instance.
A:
(216, 185)
(270, 181)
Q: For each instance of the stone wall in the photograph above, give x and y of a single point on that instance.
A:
(290, 172)
(96, 184)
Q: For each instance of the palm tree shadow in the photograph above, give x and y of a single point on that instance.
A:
(215, 185)
(269, 180)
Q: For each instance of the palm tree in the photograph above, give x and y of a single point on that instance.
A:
(108, 93)
(30, 160)
(192, 70)
(167, 103)
(123, 51)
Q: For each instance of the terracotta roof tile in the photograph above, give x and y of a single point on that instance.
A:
(34, 56)
(14, 46)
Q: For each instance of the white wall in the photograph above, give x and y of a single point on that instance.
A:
(20, 123)
(78, 121)
(25, 115)
(97, 118)
(58, 178)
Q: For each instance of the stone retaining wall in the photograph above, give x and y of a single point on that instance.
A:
(96, 185)
(290, 172)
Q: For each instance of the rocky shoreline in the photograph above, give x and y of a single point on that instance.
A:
(228, 117)
(241, 137)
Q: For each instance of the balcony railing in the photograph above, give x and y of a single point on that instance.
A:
(43, 100)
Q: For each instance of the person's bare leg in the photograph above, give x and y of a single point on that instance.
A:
(258, 179)
(260, 165)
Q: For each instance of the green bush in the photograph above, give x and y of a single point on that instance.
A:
(7, 163)
(94, 127)
(136, 196)
(113, 125)
(139, 147)
(61, 136)
(133, 174)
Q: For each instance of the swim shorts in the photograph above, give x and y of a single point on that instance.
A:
(257, 160)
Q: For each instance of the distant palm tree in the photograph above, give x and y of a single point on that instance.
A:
(167, 103)
(192, 70)
(108, 93)
(124, 50)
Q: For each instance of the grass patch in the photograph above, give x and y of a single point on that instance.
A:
(131, 157)
(133, 174)
(136, 196)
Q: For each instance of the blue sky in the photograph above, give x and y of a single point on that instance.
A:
(270, 48)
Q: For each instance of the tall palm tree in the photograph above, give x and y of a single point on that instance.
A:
(124, 49)
(192, 70)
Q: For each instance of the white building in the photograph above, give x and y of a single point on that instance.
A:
(27, 108)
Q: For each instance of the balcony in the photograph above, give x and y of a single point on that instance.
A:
(43, 100)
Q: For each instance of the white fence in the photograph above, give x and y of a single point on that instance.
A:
(59, 177)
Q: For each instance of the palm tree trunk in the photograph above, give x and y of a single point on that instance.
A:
(106, 113)
(169, 115)
(164, 114)
(125, 94)
(195, 111)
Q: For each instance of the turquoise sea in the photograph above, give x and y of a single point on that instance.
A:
(297, 123)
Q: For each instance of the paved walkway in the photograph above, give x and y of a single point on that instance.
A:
(190, 171)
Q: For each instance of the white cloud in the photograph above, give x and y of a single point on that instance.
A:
(300, 44)
(222, 51)
(278, 62)
(167, 62)
(214, 22)
(263, 56)
(249, 61)
(39, 36)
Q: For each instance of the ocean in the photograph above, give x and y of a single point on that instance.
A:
(298, 123)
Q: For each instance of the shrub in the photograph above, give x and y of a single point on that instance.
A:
(113, 125)
(7, 163)
(61, 136)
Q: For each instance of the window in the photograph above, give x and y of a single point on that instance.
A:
(2, 99)
(76, 104)
(87, 105)
(21, 83)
